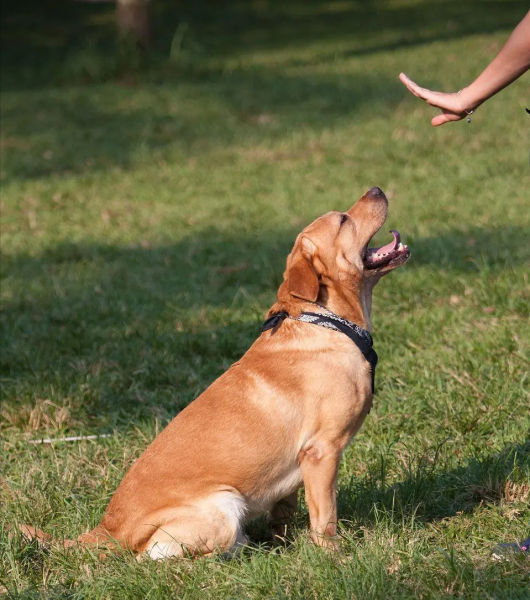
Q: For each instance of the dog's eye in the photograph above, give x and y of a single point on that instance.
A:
(343, 219)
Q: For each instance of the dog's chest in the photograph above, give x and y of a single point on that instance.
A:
(288, 482)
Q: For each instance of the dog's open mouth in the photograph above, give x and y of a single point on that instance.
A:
(395, 252)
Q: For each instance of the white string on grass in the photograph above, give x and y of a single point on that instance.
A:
(74, 438)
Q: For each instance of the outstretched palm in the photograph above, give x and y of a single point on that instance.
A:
(449, 104)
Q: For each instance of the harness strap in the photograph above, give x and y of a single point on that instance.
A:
(359, 336)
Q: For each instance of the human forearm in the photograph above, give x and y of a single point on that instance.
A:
(511, 62)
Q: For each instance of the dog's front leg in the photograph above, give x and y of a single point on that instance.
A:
(319, 471)
(281, 515)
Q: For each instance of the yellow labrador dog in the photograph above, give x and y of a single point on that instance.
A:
(279, 418)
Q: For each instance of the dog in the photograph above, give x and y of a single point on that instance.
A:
(279, 418)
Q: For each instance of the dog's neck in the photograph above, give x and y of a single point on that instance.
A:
(352, 304)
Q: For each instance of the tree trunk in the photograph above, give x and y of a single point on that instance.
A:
(133, 20)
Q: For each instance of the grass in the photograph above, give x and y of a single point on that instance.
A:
(148, 205)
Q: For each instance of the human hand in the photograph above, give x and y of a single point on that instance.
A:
(453, 106)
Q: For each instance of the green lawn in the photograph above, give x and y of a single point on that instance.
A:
(148, 206)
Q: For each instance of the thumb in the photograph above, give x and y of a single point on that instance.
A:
(444, 118)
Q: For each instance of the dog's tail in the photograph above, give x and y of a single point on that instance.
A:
(97, 538)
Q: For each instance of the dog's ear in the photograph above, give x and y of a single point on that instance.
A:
(302, 279)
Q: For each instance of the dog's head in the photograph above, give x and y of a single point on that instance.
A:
(332, 256)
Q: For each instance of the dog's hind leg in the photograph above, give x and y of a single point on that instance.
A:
(281, 515)
(213, 524)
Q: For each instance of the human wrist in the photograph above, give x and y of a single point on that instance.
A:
(469, 99)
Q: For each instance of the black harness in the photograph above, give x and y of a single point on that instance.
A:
(359, 336)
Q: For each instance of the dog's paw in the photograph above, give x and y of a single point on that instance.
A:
(329, 543)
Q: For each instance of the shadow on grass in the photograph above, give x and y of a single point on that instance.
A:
(474, 249)
(39, 38)
(428, 494)
(142, 331)
(80, 130)
(130, 333)
(58, 53)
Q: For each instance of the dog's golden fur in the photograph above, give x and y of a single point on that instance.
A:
(278, 419)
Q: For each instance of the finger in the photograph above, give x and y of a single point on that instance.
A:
(429, 96)
(411, 86)
(416, 89)
(445, 118)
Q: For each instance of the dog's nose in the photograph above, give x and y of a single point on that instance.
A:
(375, 192)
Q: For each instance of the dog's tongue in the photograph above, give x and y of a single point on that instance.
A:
(391, 246)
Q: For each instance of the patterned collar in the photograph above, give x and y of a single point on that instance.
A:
(359, 336)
